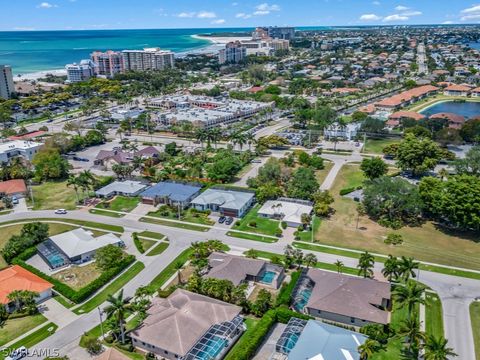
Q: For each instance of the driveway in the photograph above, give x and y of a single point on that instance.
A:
(57, 313)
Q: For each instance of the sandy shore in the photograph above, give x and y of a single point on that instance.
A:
(39, 74)
(222, 40)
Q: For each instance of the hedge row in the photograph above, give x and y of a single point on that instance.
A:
(251, 340)
(77, 296)
(348, 190)
(285, 295)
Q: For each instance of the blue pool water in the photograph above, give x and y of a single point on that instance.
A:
(268, 277)
(214, 346)
(467, 109)
(302, 299)
(51, 254)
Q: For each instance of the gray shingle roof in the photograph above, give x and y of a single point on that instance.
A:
(227, 199)
(175, 191)
(233, 268)
(125, 187)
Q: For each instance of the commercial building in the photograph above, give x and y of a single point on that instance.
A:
(234, 52)
(258, 47)
(107, 63)
(7, 88)
(281, 32)
(342, 298)
(148, 59)
(123, 188)
(74, 247)
(239, 270)
(25, 149)
(347, 132)
(187, 325)
(80, 72)
(16, 278)
(302, 339)
(226, 202)
(170, 193)
(285, 209)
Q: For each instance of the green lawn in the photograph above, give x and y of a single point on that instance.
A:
(88, 224)
(170, 270)
(147, 244)
(251, 237)
(322, 174)
(189, 215)
(433, 315)
(105, 213)
(114, 286)
(120, 203)
(263, 226)
(64, 301)
(307, 235)
(181, 225)
(16, 327)
(475, 318)
(158, 249)
(53, 195)
(375, 146)
(151, 234)
(35, 337)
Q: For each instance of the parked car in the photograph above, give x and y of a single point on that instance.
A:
(229, 220)
(222, 219)
(256, 161)
(77, 158)
(14, 200)
(60, 211)
(18, 354)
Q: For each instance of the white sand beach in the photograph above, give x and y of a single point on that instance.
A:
(222, 39)
(39, 74)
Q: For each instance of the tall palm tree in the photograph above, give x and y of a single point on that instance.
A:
(118, 308)
(410, 330)
(409, 295)
(391, 268)
(215, 135)
(406, 268)
(436, 349)
(73, 181)
(201, 135)
(16, 297)
(250, 140)
(368, 348)
(339, 266)
(310, 260)
(365, 265)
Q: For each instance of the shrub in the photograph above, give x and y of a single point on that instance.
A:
(283, 224)
(252, 223)
(237, 223)
(278, 232)
(138, 243)
(285, 294)
(92, 344)
(393, 239)
(283, 315)
(347, 191)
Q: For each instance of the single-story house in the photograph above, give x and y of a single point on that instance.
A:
(343, 298)
(226, 202)
(170, 193)
(108, 158)
(112, 354)
(76, 246)
(14, 187)
(124, 188)
(187, 325)
(239, 269)
(312, 339)
(17, 278)
(285, 209)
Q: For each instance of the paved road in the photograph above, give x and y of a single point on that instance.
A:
(456, 292)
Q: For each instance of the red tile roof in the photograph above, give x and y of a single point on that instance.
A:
(29, 135)
(399, 99)
(17, 278)
(406, 114)
(13, 187)
(455, 87)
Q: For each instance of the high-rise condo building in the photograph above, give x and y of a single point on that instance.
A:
(80, 72)
(234, 52)
(107, 63)
(285, 33)
(6, 82)
(148, 59)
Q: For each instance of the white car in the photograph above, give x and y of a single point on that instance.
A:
(60, 211)
(18, 354)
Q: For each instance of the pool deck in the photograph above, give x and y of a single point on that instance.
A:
(268, 346)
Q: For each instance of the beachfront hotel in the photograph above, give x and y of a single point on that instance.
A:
(6, 82)
(80, 72)
(107, 63)
(148, 59)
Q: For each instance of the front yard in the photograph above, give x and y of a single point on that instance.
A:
(189, 215)
(78, 276)
(14, 328)
(53, 195)
(119, 203)
(375, 146)
(251, 222)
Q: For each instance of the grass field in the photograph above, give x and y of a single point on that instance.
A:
(322, 174)
(35, 337)
(120, 203)
(251, 237)
(147, 244)
(170, 270)
(263, 226)
(78, 276)
(114, 286)
(151, 234)
(189, 215)
(105, 213)
(181, 225)
(16, 327)
(433, 315)
(375, 146)
(158, 249)
(307, 235)
(53, 195)
(426, 242)
(475, 318)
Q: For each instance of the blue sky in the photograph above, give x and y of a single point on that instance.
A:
(127, 14)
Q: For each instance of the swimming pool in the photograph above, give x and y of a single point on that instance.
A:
(268, 277)
(212, 348)
(51, 254)
(301, 299)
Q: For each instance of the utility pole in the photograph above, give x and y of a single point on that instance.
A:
(364, 141)
(101, 321)
(31, 192)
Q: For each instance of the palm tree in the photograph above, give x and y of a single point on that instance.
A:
(436, 349)
(391, 268)
(178, 267)
(339, 266)
(310, 260)
(240, 139)
(16, 297)
(410, 329)
(406, 268)
(201, 135)
(365, 264)
(368, 348)
(409, 295)
(73, 181)
(118, 308)
(214, 135)
(250, 140)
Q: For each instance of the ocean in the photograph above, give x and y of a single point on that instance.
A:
(34, 51)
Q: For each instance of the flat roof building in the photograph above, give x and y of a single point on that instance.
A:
(226, 202)
(25, 149)
(7, 87)
(80, 72)
(107, 63)
(285, 209)
(148, 59)
(124, 188)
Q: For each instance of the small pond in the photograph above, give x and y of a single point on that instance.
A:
(468, 109)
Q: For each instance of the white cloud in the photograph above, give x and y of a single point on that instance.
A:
(471, 13)
(46, 5)
(401, 8)
(206, 15)
(218, 22)
(186, 15)
(370, 17)
(470, 10)
(448, 22)
(376, 3)
(265, 9)
(243, 16)
(411, 13)
(471, 17)
(395, 17)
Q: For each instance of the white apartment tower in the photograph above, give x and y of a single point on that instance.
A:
(80, 72)
(6, 82)
(148, 59)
